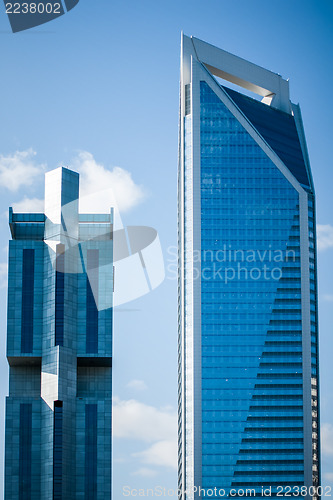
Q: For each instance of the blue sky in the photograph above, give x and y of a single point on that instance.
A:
(104, 80)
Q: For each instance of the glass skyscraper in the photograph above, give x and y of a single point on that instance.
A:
(59, 349)
(248, 328)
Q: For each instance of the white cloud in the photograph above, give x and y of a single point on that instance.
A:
(162, 453)
(144, 472)
(29, 205)
(158, 426)
(327, 297)
(135, 420)
(3, 274)
(137, 385)
(324, 236)
(19, 169)
(102, 188)
(327, 439)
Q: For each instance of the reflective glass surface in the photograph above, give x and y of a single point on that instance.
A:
(252, 399)
(279, 131)
(28, 272)
(25, 441)
(91, 452)
(57, 450)
(92, 301)
(60, 297)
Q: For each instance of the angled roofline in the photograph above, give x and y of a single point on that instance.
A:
(271, 86)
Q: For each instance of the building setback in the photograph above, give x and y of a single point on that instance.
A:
(248, 330)
(59, 349)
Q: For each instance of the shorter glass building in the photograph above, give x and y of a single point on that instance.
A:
(59, 349)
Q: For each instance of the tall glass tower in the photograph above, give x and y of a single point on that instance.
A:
(59, 349)
(248, 330)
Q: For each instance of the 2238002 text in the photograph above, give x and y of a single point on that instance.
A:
(33, 8)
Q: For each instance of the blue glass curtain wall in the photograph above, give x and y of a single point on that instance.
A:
(252, 400)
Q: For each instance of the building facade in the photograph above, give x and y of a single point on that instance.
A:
(59, 349)
(248, 329)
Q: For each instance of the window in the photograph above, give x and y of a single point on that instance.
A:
(25, 441)
(92, 300)
(28, 272)
(91, 452)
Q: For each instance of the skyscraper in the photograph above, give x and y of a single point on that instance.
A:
(59, 349)
(248, 331)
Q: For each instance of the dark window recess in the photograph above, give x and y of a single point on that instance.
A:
(279, 131)
(57, 451)
(187, 99)
(272, 451)
(28, 272)
(92, 302)
(91, 452)
(59, 295)
(261, 483)
(25, 443)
